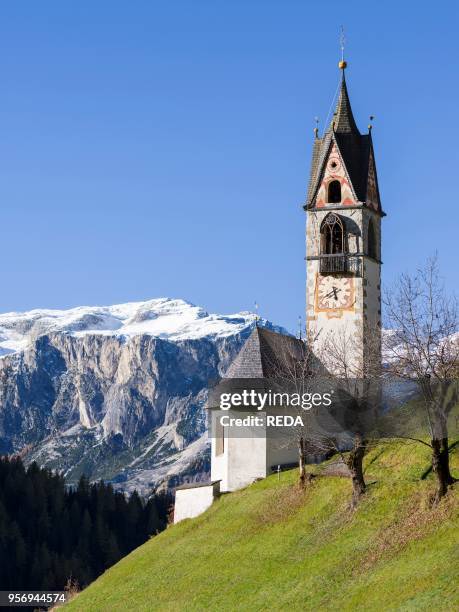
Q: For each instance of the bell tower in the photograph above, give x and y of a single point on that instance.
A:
(343, 237)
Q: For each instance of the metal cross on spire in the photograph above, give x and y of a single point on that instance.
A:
(342, 42)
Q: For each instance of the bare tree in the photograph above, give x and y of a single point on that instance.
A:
(307, 367)
(293, 366)
(353, 358)
(423, 346)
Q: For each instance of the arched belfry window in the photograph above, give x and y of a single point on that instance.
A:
(332, 234)
(334, 192)
(371, 238)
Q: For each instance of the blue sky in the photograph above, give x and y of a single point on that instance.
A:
(155, 149)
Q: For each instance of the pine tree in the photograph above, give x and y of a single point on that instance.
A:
(50, 533)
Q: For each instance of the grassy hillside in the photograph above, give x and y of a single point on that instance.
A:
(271, 547)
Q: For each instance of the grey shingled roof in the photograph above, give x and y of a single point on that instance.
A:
(343, 121)
(320, 152)
(247, 363)
(354, 147)
(264, 354)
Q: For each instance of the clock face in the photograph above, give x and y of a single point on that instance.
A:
(334, 292)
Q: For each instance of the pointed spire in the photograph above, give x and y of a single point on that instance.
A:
(343, 120)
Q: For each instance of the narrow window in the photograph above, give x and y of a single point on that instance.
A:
(334, 192)
(371, 238)
(332, 231)
(219, 437)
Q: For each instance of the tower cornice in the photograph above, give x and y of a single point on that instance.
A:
(358, 206)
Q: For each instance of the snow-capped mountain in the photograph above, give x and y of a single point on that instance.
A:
(164, 318)
(115, 392)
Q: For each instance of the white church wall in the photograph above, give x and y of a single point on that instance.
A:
(246, 455)
(193, 500)
(219, 461)
(243, 459)
(247, 461)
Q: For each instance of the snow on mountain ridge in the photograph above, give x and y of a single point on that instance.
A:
(115, 392)
(171, 319)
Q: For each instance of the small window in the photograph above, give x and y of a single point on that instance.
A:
(334, 192)
(219, 437)
(371, 238)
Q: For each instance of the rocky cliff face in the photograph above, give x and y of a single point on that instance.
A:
(116, 392)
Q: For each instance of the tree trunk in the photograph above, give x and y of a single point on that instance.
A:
(303, 476)
(440, 467)
(301, 463)
(355, 465)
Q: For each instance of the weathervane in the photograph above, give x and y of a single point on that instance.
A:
(342, 42)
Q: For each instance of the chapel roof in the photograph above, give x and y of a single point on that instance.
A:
(265, 354)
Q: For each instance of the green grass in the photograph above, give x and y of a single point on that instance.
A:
(271, 547)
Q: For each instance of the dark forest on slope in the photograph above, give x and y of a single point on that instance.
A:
(50, 533)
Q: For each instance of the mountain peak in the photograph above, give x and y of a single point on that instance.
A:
(169, 318)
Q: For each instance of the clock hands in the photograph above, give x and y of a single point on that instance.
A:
(333, 293)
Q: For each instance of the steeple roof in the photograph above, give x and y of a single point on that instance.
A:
(355, 148)
(343, 121)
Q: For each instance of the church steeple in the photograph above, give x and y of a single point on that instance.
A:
(343, 236)
(343, 121)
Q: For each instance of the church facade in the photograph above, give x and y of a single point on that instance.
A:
(343, 295)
